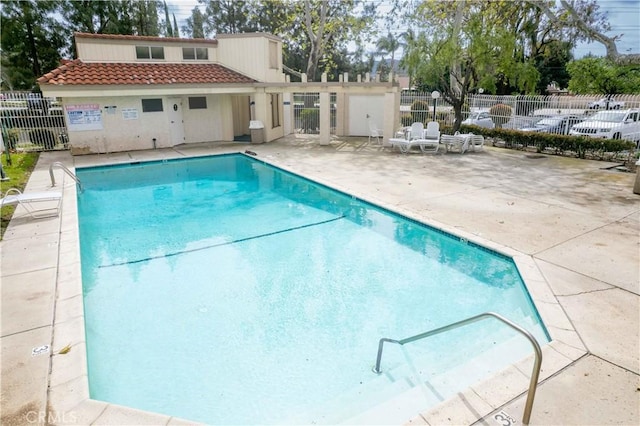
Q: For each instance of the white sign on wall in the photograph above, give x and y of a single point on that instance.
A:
(84, 117)
(129, 113)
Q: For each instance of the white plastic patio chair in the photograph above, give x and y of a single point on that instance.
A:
(375, 132)
(37, 204)
(476, 143)
(431, 140)
(417, 131)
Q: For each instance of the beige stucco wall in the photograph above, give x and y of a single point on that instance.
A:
(112, 50)
(118, 134)
(212, 124)
(248, 54)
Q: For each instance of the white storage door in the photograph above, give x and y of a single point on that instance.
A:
(361, 106)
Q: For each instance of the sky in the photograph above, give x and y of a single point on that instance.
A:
(624, 17)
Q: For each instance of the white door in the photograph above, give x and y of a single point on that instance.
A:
(176, 122)
(361, 110)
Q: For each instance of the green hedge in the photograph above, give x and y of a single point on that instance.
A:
(559, 144)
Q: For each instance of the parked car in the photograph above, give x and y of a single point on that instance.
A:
(610, 125)
(480, 119)
(35, 101)
(606, 103)
(559, 124)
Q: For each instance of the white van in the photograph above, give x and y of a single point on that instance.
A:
(610, 125)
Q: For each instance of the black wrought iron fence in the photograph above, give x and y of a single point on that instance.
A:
(31, 122)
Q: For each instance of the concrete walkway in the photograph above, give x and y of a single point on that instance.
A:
(573, 224)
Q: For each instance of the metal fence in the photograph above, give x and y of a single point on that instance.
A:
(523, 111)
(306, 112)
(30, 122)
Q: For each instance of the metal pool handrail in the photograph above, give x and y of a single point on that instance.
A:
(533, 384)
(66, 170)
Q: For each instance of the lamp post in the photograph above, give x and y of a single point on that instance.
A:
(435, 95)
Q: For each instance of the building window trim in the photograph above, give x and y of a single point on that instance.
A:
(197, 102)
(152, 105)
(149, 52)
(195, 54)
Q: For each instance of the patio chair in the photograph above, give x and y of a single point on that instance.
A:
(375, 132)
(431, 140)
(455, 142)
(476, 143)
(417, 131)
(37, 204)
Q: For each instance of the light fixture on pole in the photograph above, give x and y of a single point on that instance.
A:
(435, 95)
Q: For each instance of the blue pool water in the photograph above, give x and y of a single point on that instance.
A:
(224, 290)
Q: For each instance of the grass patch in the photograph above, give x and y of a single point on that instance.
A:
(22, 164)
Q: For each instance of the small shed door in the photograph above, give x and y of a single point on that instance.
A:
(363, 108)
(176, 121)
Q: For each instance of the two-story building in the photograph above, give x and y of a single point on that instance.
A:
(132, 92)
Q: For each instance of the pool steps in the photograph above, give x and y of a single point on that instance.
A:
(393, 397)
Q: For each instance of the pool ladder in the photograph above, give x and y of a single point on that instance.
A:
(66, 170)
(536, 347)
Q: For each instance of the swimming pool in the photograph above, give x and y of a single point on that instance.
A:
(224, 290)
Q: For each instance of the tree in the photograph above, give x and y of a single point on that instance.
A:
(329, 24)
(145, 18)
(227, 16)
(601, 75)
(167, 22)
(464, 46)
(32, 40)
(194, 26)
(584, 16)
(388, 44)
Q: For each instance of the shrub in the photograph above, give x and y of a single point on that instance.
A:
(10, 138)
(500, 114)
(406, 119)
(310, 120)
(42, 137)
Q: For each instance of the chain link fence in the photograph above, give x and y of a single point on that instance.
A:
(31, 122)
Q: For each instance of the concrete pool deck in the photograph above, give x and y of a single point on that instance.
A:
(573, 227)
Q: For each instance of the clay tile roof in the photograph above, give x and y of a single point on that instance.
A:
(77, 72)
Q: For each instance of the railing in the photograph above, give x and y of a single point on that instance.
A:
(66, 170)
(536, 347)
(306, 113)
(31, 122)
(525, 109)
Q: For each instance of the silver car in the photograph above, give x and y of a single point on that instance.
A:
(480, 119)
(559, 125)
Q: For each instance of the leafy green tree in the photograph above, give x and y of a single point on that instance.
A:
(194, 26)
(31, 39)
(388, 44)
(601, 75)
(551, 62)
(176, 32)
(329, 25)
(227, 16)
(167, 21)
(145, 18)
(464, 46)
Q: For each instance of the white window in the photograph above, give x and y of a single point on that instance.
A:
(195, 53)
(149, 52)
